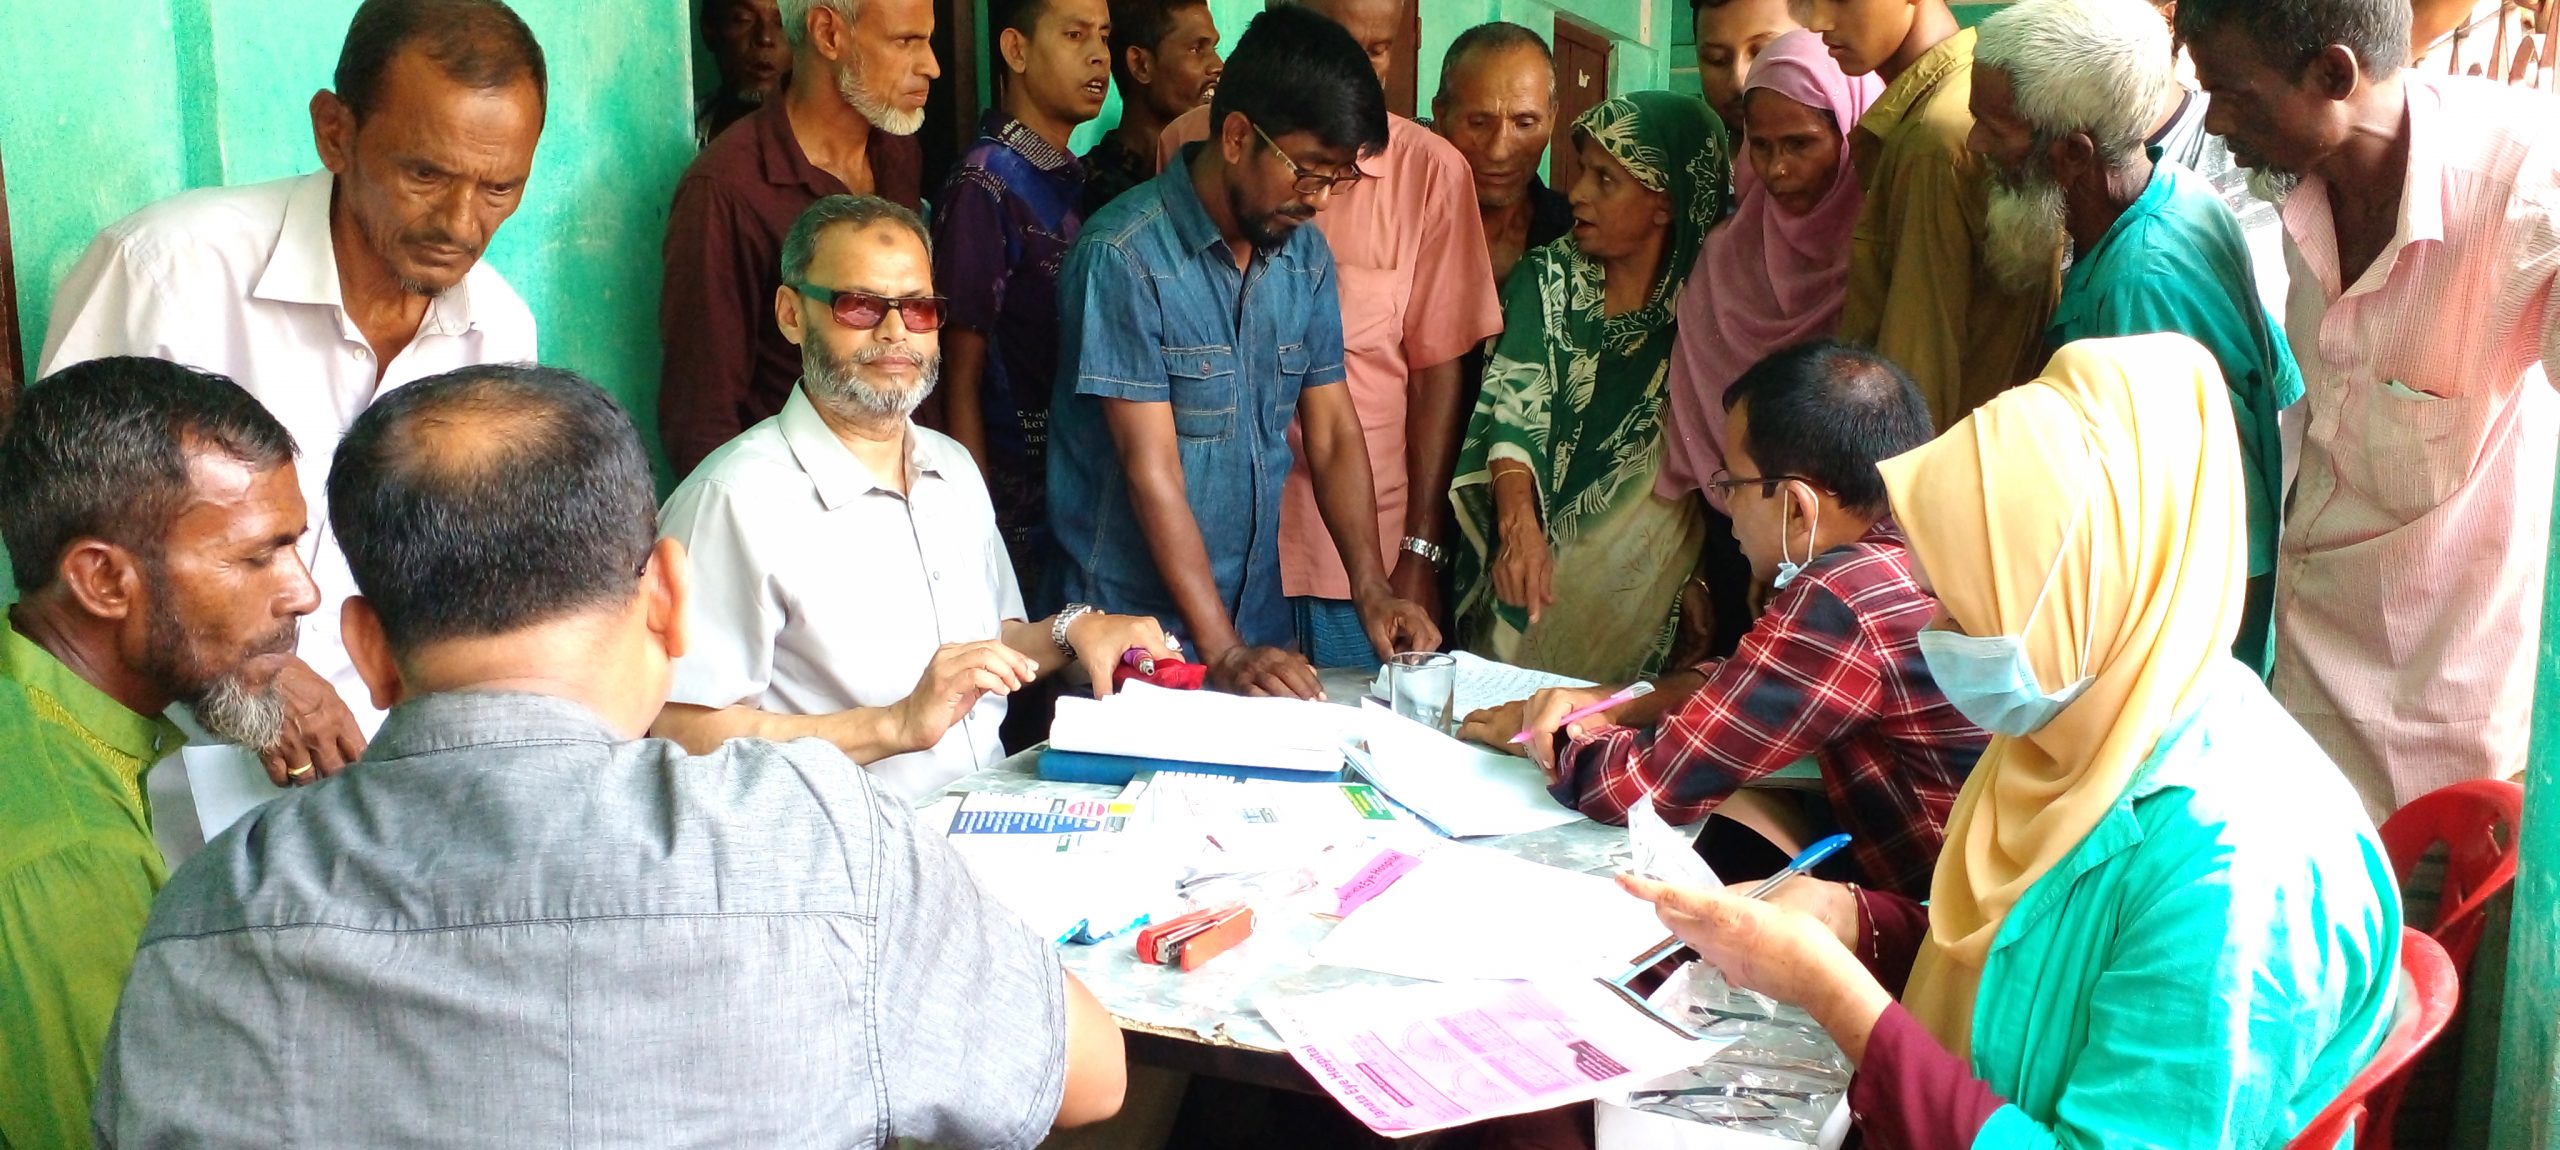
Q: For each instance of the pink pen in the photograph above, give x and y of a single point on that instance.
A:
(1578, 714)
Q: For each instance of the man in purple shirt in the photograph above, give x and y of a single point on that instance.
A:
(860, 70)
(1007, 215)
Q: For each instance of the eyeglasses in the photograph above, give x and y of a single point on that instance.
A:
(1310, 183)
(1725, 483)
(862, 311)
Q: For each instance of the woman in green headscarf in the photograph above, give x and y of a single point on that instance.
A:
(1572, 564)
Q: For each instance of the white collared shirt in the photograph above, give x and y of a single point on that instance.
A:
(815, 589)
(244, 281)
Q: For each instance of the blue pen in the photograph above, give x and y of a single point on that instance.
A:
(1811, 858)
(1808, 859)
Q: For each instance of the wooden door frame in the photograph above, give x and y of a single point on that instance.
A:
(1562, 163)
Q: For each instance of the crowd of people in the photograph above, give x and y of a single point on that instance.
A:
(2112, 444)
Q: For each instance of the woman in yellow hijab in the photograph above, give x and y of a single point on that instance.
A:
(2161, 918)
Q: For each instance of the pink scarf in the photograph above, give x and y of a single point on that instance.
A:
(1764, 280)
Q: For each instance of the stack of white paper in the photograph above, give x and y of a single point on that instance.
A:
(1469, 912)
(1150, 722)
(1463, 789)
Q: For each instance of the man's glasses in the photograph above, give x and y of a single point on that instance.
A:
(1725, 483)
(1310, 183)
(862, 311)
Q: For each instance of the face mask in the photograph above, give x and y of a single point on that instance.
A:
(1990, 679)
(1788, 569)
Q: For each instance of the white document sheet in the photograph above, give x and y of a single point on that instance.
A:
(1410, 1059)
(1485, 683)
(1469, 912)
(1464, 789)
(1147, 721)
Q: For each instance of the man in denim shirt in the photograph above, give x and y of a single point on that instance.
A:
(1196, 321)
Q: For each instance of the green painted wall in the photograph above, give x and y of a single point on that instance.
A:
(111, 106)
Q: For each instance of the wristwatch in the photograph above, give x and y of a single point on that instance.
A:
(1066, 618)
(1432, 553)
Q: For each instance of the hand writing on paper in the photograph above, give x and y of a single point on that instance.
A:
(1786, 954)
(1493, 726)
(1545, 713)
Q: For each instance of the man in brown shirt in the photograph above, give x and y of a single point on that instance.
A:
(846, 124)
(1919, 290)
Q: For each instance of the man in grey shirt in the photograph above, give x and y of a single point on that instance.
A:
(514, 922)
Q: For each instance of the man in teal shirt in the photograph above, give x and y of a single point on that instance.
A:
(2063, 94)
(152, 516)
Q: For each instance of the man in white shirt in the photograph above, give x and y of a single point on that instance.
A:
(839, 549)
(319, 293)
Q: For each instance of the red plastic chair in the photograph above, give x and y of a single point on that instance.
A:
(2427, 1000)
(2476, 821)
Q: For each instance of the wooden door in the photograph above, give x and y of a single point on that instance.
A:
(1582, 82)
(1404, 75)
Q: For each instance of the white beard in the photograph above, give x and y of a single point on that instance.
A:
(857, 95)
(840, 386)
(2023, 233)
(2270, 184)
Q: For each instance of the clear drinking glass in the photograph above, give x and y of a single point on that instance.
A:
(1422, 685)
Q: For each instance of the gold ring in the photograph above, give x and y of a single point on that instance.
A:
(297, 772)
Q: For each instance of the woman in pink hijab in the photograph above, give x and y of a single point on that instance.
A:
(1769, 277)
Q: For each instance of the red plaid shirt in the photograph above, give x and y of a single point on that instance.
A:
(1832, 670)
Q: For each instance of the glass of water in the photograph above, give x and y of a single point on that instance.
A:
(1422, 686)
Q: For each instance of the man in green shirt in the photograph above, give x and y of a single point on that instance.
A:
(2064, 93)
(152, 516)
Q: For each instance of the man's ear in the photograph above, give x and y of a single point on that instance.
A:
(104, 579)
(370, 650)
(1235, 138)
(828, 35)
(333, 131)
(2334, 72)
(786, 313)
(1141, 64)
(668, 586)
(2073, 157)
(1016, 50)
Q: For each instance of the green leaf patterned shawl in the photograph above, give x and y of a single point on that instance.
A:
(1580, 392)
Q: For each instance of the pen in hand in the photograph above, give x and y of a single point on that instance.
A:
(1578, 714)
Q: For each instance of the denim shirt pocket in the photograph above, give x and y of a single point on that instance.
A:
(1203, 382)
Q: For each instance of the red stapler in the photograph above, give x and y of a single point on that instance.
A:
(1195, 938)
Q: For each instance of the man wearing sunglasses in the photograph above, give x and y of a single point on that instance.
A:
(1831, 669)
(849, 581)
(1417, 294)
(1198, 321)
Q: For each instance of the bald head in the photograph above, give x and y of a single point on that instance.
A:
(490, 499)
(1374, 23)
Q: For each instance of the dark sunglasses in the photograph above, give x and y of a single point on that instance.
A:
(863, 311)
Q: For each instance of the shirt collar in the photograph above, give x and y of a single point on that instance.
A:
(1012, 133)
(831, 467)
(781, 159)
(1918, 82)
(303, 269)
(2422, 186)
(138, 737)
(455, 720)
(1182, 206)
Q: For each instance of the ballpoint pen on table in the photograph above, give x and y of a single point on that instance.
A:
(1578, 714)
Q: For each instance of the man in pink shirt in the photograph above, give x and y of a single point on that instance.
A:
(1417, 293)
(2422, 231)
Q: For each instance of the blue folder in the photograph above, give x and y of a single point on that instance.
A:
(1116, 770)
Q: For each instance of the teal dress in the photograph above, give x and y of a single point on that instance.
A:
(2212, 965)
(2176, 261)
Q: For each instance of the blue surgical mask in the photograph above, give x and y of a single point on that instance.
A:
(1990, 679)
(1788, 569)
